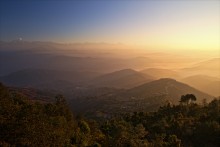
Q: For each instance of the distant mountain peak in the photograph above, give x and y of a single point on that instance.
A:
(125, 78)
(127, 70)
(167, 79)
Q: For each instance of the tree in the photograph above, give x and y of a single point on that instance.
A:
(185, 99)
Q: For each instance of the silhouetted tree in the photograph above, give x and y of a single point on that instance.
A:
(187, 98)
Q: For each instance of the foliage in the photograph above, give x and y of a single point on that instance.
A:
(187, 98)
(27, 123)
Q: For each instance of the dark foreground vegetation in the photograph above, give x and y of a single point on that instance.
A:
(27, 123)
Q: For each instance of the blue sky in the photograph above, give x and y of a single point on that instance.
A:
(33, 19)
(136, 22)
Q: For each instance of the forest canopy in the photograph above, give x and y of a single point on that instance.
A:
(27, 123)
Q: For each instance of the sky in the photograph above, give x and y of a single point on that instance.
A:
(158, 24)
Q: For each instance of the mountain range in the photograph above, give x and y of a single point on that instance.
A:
(107, 78)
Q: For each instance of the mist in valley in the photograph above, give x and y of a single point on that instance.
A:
(110, 73)
(74, 67)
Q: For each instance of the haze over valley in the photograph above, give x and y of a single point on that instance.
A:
(110, 73)
(73, 69)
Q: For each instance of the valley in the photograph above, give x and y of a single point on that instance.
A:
(109, 73)
(106, 85)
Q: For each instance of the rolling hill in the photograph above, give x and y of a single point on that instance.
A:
(161, 73)
(47, 79)
(170, 88)
(210, 85)
(209, 67)
(126, 78)
(146, 97)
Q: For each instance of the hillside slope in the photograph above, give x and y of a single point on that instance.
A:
(126, 78)
(48, 79)
(170, 88)
(210, 85)
(161, 73)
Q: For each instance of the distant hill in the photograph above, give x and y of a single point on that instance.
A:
(126, 78)
(160, 73)
(15, 56)
(213, 87)
(209, 64)
(210, 85)
(170, 88)
(146, 97)
(210, 67)
(47, 79)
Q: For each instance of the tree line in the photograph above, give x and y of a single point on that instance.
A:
(26, 123)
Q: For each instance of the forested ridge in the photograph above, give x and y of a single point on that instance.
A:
(28, 123)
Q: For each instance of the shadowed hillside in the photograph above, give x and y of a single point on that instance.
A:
(48, 79)
(29, 122)
(169, 87)
(126, 78)
(146, 97)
